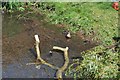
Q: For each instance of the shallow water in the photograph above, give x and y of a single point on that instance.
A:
(18, 45)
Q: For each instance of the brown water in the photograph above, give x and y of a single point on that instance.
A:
(18, 45)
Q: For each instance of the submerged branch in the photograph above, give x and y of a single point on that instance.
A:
(41, 61)
(39, 56)
(62, 69)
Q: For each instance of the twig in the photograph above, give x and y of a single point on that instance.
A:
(39, 56)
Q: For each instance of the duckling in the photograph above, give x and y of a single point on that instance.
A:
(68, 35)
(50, 53)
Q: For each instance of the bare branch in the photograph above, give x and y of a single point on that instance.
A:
(39, 54)
(62, 69)
(41, 61)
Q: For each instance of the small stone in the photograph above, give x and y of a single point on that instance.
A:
(38, 66)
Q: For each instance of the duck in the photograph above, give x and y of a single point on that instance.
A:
(68, 35)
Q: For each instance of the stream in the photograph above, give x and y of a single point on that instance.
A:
(18, 45)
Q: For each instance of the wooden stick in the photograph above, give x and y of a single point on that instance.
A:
(62, 69)
(37, 46)
(39, 54)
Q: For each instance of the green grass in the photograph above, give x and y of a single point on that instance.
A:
(98, 62)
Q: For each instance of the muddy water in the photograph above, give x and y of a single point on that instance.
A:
(18, 45)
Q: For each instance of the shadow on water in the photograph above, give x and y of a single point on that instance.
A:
(18, 45)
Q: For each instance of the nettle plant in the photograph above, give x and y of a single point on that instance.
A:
(97, 63)
(74, 14)
(12, 6)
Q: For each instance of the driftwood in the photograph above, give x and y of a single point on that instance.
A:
(62, 69)
(41, 61)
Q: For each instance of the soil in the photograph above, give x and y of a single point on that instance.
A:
(19, 49)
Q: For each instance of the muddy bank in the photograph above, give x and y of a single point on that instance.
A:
(18, 45)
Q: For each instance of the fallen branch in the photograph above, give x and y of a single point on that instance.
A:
(62, 69)
(41, 61)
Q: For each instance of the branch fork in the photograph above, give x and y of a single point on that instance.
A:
(41, 61)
